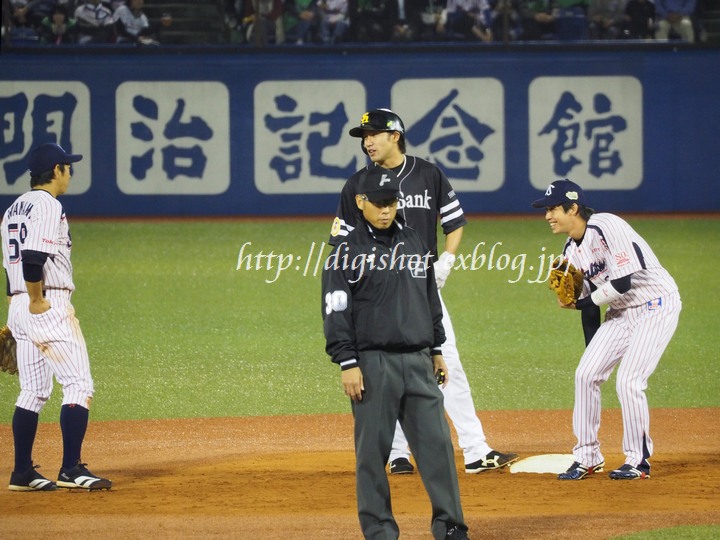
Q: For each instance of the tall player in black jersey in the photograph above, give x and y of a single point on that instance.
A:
(426, 194)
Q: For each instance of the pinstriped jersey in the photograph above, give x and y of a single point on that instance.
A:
(36, 221)
(426, 193)
(612, 249)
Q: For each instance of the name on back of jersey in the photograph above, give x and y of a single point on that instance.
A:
(19, 208)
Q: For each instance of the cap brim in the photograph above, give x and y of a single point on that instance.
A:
(357, 131)
(541, 203)
(73, 158)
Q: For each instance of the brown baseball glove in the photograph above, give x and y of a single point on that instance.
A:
(566, 281)
(8, 353)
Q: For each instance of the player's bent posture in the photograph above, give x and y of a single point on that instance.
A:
(383, 327)
(36, 255)
(643, 306)
(426, 194)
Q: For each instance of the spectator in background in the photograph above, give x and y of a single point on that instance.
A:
(263, 22)
(58, 29)
(460, 19)
(482, 27)
(132, 25)
(675, 15)
(571, 22)
(639, 19)
(369, 20)
(95, 23)
(334, 22)
(431, 15)
(301, 20)
(29, 14)
(494, 20)
(405, 19)
(537, 19)
(606, 19)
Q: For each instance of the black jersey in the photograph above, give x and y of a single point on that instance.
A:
(380, 294)
(426, 194)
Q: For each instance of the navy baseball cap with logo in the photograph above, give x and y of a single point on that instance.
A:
(46, 156)
(379, 184)
(560, 192)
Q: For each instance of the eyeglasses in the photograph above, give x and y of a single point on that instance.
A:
(383, 203)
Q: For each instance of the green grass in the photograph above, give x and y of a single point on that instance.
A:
(707, 532)
(175, 330)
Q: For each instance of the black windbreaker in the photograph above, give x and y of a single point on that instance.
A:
(380, 294)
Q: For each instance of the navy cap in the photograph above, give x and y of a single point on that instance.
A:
(379, 184)
(560, 192)
(46, 156)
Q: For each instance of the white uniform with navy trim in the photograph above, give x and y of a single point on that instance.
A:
(50, 343)
(638, 327)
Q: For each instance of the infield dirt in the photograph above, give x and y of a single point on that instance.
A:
(293, 477)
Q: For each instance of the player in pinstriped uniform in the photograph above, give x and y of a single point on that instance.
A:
(36, 256)
(643, 308)
(426, 194)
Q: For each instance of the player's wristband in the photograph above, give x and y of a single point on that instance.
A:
(348, 364)
(605, 294)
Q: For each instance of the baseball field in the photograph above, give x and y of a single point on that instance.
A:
(218, 414)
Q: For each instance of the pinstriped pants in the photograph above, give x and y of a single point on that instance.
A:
(50, 344)
(635, 338)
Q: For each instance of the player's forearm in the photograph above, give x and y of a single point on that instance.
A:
(452, 240)
(35, 291)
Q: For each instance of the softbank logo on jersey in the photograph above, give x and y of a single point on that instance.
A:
(414, 201)
(588, 129)
(173, 138)
(301, 141)
(459, 125)
(34, 113)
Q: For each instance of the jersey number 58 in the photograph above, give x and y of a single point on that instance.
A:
(17, 233)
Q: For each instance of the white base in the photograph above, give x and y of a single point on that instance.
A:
(546, 463)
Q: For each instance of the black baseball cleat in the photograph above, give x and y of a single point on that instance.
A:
(401, 465)
(30, 480)
(456, 533)
(578, 471)
(628, 472)
(494, 460)
(79, 477)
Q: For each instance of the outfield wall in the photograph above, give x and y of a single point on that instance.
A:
(244, 132)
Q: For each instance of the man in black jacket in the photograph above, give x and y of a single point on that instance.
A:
(383, 327)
